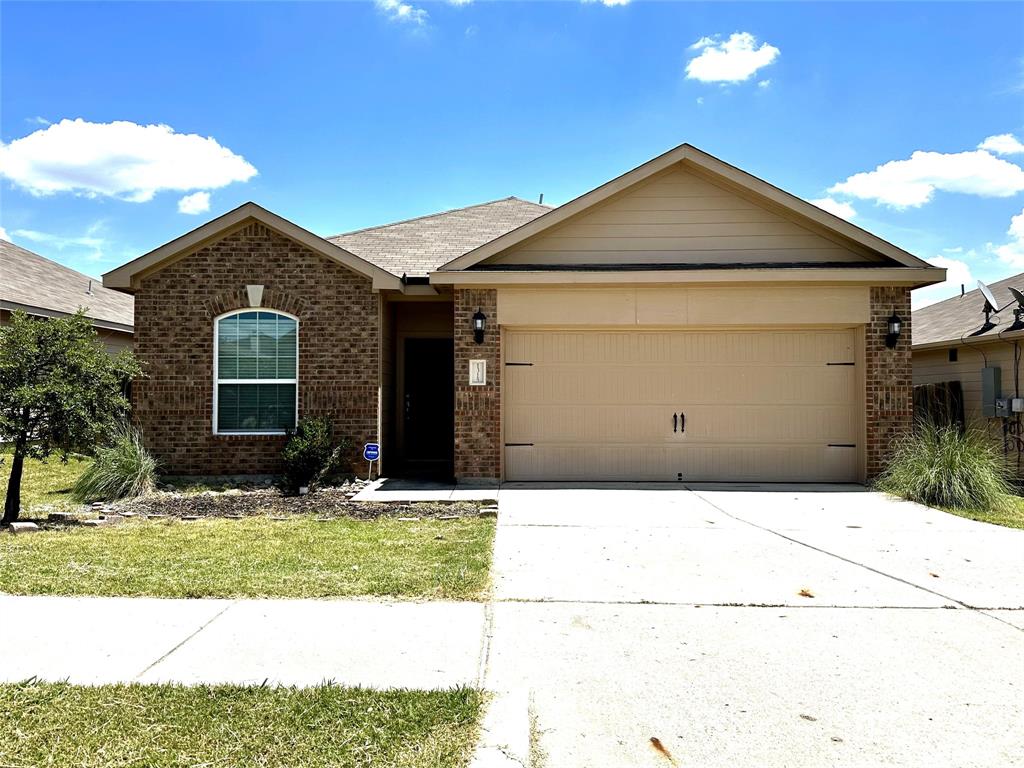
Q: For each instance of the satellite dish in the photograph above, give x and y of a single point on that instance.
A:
(990, 301)
(1018, 296)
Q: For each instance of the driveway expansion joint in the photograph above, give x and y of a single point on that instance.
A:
(866, 567)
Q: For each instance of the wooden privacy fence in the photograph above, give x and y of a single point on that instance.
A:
(941, 403)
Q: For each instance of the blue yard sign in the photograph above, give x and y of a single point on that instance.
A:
(371, 452)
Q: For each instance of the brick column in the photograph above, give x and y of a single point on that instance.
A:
(889, 406)
(477, 408)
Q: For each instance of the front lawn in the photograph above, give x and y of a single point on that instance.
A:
(44, 482)
(256, 556)
(1011, 517)
(164, 726)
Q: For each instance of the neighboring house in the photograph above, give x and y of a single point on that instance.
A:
(952, 346)
(685, 321)
(45, 288)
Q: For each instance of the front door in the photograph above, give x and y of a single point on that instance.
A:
(428, 407)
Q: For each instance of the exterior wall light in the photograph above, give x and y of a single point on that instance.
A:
(895, 324)
(479, 325)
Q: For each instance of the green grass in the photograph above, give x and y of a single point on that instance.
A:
(255, 557)
(163, 726)
(48, 482)
(1010, 515)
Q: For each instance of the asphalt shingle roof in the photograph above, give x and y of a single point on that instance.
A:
(952, 319)
(28, 279)
(416, 247)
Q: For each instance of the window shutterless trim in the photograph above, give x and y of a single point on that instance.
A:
(216, 366)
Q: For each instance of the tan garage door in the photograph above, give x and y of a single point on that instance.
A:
(667, 405)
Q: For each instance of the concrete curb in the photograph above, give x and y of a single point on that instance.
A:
(505, 732)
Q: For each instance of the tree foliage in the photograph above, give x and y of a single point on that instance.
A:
(60, 391)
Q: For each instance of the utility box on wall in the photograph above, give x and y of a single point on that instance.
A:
(991, 390)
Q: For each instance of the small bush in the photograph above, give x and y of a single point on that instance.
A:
(945, 466)
(122, 469)
(311, 455)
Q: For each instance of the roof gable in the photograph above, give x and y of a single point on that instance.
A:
(126, 277)
(709, 181)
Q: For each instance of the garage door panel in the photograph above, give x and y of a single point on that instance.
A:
(726, 463)
(675, 385)
(759, 405)
(704, 424)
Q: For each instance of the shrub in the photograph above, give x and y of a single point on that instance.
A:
(311, 455)
(945, 466)
(122, 469)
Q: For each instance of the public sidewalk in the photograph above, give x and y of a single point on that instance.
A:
(95, 640)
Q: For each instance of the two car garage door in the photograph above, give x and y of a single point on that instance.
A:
(760, 406)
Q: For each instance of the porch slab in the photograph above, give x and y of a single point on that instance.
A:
(387, 489)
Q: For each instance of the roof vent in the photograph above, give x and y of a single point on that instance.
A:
(89, 289)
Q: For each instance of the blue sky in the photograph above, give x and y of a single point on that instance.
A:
(344, 115)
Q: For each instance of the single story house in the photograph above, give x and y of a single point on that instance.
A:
(963, 363)
(44, 288)
(684, 321)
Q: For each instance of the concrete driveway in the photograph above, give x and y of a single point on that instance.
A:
(758, 626)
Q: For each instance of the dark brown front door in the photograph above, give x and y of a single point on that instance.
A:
(428, 408)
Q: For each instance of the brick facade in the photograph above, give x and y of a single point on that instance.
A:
(888, 379)
(175, 310)
(477, 408)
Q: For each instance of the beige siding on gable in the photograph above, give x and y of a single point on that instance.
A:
(679, 217)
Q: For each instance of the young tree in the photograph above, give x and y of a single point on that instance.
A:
(60, 391)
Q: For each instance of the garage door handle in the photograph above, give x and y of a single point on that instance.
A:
(682, 422)
(675, 422)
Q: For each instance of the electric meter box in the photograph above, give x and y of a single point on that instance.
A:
(1002, 407)
(991, 388)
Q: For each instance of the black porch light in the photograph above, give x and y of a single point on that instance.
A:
(479, 325)
(894, 327)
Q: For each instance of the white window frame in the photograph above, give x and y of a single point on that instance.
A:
(216, 365)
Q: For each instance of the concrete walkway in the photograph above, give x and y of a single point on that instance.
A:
(637, 612)
(292, 642)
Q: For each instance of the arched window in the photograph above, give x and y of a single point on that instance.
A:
(255, 372)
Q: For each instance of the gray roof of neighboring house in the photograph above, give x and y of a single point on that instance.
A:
(30, 281)
(417, 246)
(959, 317)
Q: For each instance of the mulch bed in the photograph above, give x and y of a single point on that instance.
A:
(327, 502)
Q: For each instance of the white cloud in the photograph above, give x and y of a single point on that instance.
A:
(91, 241)
(4, 235)
(838, 208)
(608, 3)
(700, 99)
(913, 182)
(731, 61)
(37, 120)
(459, 2)
(1012, 252)
(401, 12)
(764, 83)
(1003, 144)
(119, 159)
(197, 202)
(957, 273)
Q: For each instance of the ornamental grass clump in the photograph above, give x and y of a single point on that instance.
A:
(946, 466)
(123, 469)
